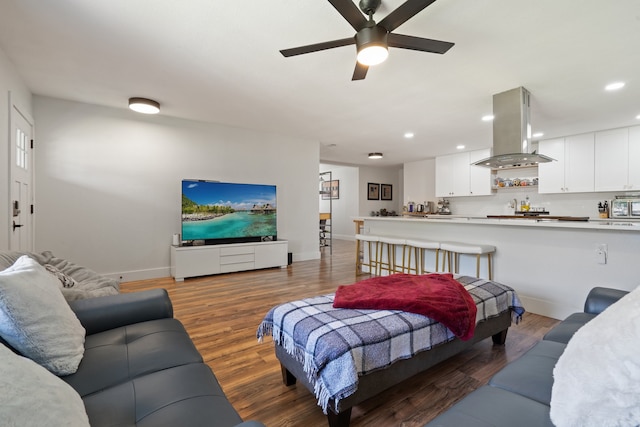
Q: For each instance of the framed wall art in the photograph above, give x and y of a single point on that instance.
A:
(386, 192)
(373, 191)
(331, 189)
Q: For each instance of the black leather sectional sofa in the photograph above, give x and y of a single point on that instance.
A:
(140, 368)
(520, 394)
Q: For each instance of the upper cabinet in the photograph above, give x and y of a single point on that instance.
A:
(573, 170)
(634, 158)
(617, 159)
(479, 176)
(455, 176)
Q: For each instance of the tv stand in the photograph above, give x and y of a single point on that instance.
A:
(192, 261)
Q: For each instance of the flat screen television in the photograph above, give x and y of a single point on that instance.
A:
(224, 212)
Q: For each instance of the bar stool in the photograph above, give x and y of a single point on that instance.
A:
(455, 249)
(391, 264)
(419, 248)
(373, 252)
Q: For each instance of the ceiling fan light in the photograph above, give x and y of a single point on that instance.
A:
(371, 43)
(373, 55)
(375, 155)
(144, 105)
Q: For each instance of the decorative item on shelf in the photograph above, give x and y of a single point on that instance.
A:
(499, 182)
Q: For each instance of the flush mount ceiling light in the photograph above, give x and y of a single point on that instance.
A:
(375, 155)
(144, 105)
(409, 135)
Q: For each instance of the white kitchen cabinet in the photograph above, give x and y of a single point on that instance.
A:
(634, 158)
(479, 176)
(452, 175)
(551, 174)
(456, 177)
(611, 164)
(573, 168)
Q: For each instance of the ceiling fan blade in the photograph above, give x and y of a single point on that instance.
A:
(317, 47)
(351, 13)
(360, 71)
(418, 43)
(403, 13)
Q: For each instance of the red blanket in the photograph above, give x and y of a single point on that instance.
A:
(437, 296)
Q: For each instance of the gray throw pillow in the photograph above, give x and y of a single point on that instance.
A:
(36, 320)
(32, 396)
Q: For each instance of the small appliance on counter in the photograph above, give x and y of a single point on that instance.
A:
(443, 207)
(603, 209)
(625, 207)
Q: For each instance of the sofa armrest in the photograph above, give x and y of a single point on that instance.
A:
(601, 298)
(108, 312)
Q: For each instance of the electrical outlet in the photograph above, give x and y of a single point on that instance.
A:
(602, 253)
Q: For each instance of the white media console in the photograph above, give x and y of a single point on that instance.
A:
(191, 261)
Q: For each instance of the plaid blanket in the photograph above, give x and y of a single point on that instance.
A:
(336, 345)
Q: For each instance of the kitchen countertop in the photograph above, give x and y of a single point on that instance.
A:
(548, 262)
(513, 221)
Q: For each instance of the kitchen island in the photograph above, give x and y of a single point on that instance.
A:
(550, 263)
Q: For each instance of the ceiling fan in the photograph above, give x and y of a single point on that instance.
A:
(373, 39)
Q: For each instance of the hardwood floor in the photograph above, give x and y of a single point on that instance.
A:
(222, 314)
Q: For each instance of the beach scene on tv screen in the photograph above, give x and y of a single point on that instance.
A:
(219, 210)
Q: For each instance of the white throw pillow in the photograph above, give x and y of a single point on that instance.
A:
(36, 320)
(32, 396)
(597, 378)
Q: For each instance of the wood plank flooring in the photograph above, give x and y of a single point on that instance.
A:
(222, 313)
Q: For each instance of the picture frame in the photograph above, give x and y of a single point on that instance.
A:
(373, 191)
(386, 192)
(331, 189)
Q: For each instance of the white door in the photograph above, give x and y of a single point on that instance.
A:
(21, 181)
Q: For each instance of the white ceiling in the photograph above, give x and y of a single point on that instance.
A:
(218, 61)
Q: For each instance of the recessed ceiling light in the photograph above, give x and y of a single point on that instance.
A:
(614, 86)
(487, 118)
(409, 135)
(537, 134)
(375, 155)
(460, 147)
(144, 105)
(638, 117)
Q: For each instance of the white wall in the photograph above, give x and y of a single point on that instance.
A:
(109, 183)
(380, 175)
(346, 207)
(420, 181)
(12, 92)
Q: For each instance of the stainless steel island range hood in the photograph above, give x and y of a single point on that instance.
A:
(512, 132)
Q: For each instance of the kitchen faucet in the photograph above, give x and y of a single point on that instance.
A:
(513, 204)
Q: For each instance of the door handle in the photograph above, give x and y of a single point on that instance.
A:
(16, 225)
